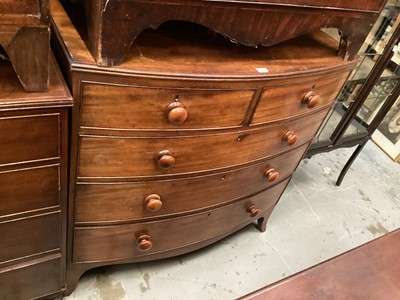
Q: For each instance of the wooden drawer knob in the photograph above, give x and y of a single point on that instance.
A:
(271, 175)
(290, 137)
(176, 113)
(165, 160)
(153, 202)
(144, 243)
(311, 99)
(253, 210)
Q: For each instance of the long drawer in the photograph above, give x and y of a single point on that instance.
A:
(31, 281)
(289, 101)
(129, 201)
(127, 107)
(105, 243)
(27, 138)
(29, 236)
(29, 189)
(102, 156)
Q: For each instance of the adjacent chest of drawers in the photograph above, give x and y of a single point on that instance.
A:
(33, 178)
(25, 36)
(188, 140)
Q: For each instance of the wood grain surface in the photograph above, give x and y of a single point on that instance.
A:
(130, 156)
(370, 271)
(113, 26)
(104, 243)
(29, 189)
(124, 201)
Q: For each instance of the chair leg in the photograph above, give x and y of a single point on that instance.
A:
(350, 162)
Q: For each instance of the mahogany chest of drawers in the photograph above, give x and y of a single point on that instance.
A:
(33, 189)
(188, 140)
(25, 36)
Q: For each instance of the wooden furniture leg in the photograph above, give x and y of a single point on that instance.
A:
(350, 162)
(29, 53)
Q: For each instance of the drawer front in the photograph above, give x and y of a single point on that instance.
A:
(29, 189)
(29, 236)
(105, 243)
(29, 138)
(31, 281)
(106, 106)
(286, 101)
(125, 201)
(127, 157)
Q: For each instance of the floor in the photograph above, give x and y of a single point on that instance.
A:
(314, 220)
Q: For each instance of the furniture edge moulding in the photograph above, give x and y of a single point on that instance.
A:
(109, 48)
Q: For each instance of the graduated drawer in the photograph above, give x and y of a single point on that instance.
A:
(143, 156)
(104, 243)
(126, 107)
(29, 189)
(126, 201)
(28, 138)
(29, 236)
(288, 101)
(31, 281)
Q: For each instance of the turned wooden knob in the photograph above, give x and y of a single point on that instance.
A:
(271, 175)
(176, 113)
(290, 137)
(144, 242)
(311, 99)
(253, 210)
(165, 160)
(153, 202)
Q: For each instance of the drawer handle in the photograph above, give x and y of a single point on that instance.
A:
(271, 175)
(253, 210)
(144, 243)
(176, 113)
(165, 160)
(311, 99)
(290, 137)
(153, 202)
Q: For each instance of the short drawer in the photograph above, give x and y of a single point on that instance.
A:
(107, 106)
(129, 201)
(31, 281)
(29, 236)
(289, 101)
(106, 243)
(28, 138)
(134, 157)
(29, 189)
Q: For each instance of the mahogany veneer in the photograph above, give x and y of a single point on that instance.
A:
(370, 271)
(189, 132)
(33, 189)
(113, 25)
(25, 36)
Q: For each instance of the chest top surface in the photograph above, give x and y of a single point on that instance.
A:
(12, 94)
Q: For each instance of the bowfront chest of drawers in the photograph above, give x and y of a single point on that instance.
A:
(33, 186)
(188, 140)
